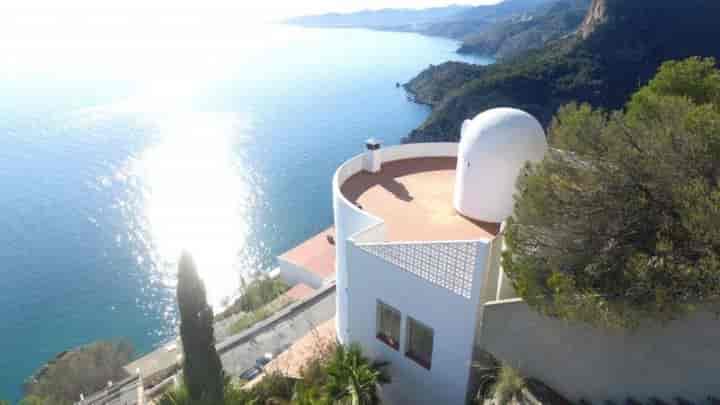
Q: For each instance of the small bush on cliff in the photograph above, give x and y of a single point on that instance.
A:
(624, 224)
(254, 295)
(83, 370)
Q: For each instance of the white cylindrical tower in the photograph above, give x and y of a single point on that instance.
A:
(494, 147)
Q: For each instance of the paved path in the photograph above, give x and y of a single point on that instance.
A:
(238, 357)
(278, 337)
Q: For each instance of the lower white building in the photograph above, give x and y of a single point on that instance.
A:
(418, 250)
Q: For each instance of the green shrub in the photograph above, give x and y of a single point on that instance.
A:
(509, 384)
(176, 396)
(309, 395)
(337, 372)
(486, 370)
(274, 387)
(353, 378)
(249, 319)
(233, 395)
(254, 295)
(34, 400)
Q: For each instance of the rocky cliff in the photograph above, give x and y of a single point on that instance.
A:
(515, 36)
(596, 16)
(432, 85)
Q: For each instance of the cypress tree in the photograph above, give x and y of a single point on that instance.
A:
(202, 368)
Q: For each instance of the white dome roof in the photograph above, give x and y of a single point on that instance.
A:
(494, 147)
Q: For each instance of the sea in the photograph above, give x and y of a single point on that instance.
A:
(116, 156)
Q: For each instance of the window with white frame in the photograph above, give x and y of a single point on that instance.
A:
(388, 325)
(419, 343)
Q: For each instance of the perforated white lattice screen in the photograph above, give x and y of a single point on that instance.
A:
(449, 265)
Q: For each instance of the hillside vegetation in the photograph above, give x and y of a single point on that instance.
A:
(618, 49)
(515, 36)
(623, 225)
(86, 369)
(505, 29)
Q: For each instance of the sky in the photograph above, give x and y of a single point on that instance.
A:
(27, 25)
(39, 35)
(250, 10)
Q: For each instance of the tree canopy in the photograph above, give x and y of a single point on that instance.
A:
(202, 369)
(622, 221)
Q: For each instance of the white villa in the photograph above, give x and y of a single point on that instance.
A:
(418, 249)
(415, 255)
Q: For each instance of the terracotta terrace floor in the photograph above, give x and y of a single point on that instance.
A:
(316, 254)
(415, 199)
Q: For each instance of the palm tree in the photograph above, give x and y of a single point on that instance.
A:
(353, 379)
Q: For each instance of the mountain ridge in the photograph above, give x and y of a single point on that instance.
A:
(512, 37)
(618, 47)
(452, 21)
(502, 30)
(379, 19)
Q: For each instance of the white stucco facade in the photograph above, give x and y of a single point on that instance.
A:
(446, 298)
(442, 284)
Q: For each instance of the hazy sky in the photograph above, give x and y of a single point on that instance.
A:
(253, 9)
(26, 24)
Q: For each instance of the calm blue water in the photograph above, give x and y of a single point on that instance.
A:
(114, 158)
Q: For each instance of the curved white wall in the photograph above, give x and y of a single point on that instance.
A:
(494, 147)
(350, 220)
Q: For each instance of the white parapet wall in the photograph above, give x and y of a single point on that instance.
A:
(350, 220)
(675, 359)
(293, 274)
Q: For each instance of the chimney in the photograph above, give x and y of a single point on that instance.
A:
(373, 157)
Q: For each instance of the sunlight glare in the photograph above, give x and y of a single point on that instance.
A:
(193, 198)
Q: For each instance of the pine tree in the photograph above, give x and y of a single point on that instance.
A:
(621, 222)
(202, 369)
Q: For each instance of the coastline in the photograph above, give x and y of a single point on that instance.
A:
(98, 233)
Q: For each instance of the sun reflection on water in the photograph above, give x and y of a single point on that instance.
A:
(195, 195)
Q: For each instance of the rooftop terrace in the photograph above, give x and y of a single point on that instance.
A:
(415, 199)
